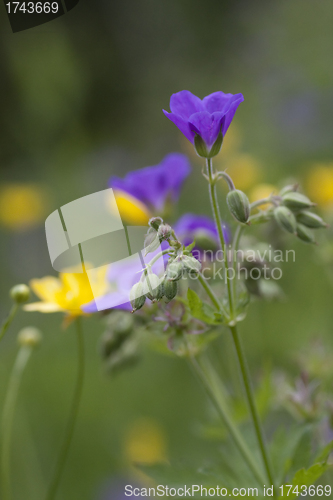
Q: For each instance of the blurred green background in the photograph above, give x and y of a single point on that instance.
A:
(81, 99)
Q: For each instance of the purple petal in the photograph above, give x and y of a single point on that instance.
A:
(182, 124)
(231, 112)
(154, 185)
(218, 101)
(207, 126)
(185, 104)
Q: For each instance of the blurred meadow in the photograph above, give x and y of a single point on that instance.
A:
(81, 100)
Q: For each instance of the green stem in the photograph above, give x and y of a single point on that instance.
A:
(8, 417)
(72, 416)
(218, 222)
(209, 385)
(210, 292)
(235, 244)
(5, 325)
(251, 401)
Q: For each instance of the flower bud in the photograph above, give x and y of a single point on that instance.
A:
(296, 201)
(20, 293)
(170, 289)
(152, 287)
(191, 264)
(164, 231)
(310, 219)
(239, 205)
(155, 222)
(152, 241)
(305, 234)
(291, 188)
(175, 271)
(137, 296)
(29, 337)
(286, 219)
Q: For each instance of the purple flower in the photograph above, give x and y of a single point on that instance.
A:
(157, 185)
(205, 118)
(202, 230)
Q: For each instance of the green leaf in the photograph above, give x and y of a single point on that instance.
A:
(309, 476)
(190, 247)
(201, 310)
(325, 453)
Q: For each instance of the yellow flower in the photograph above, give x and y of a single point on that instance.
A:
(68, 292)
(145, 442)
(319, 184)
(262, 191)
(132, 211)
(22, 205)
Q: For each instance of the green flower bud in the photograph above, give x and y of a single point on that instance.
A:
(152, 241)
(170, 289)
(153, 287)
(29, 337)
(291, 188)
(155, 222)
(20, 293)
(164, 231)
(310, 219)
(296, 201)
(191, 264)
(305, 234)
(239, 205)
(137, 296)
(286, 219)
(175, 271)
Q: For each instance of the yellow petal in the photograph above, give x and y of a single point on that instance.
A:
(131, 209)
(46, 288)
(44, 307)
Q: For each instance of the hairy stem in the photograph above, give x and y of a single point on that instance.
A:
(210, 386)
(8, 417)
(251, 402)
(218, 222)
(72, 416)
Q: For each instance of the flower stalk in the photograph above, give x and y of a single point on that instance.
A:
(51, 493)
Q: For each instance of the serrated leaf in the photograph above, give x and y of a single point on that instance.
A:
(309, 476)
(200, 310)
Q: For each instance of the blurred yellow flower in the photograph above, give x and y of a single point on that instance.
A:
(262, 191)
(68, 292)
(319, 184)
(22, 205)
(145, 442)
(244, 170)
(132, 211)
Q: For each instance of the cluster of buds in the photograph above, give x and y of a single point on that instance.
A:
(181, 263)
(294, 216)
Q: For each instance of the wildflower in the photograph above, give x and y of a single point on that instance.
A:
(320, 184)
(145, 442)
(150, 190)
(203, 122)
(22, 206)
(198, 228)
(67, 294)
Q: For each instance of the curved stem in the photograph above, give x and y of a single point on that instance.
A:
(5, 325)
(263, 201)
(72, 416)
(8, 417)
(218, 222)
(251, 401)
(220, 405)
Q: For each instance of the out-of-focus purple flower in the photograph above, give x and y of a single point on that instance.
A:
(157, 185)
(206, 118)
(202, 230)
